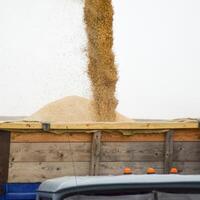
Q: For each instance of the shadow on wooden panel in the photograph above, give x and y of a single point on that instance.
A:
(4, 155)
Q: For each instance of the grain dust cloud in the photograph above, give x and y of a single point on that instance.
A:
(102, 71)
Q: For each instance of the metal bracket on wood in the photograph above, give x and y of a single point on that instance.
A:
(4, 155)
(199, 123)
(45, 127)
(95, 153)
(168, 158)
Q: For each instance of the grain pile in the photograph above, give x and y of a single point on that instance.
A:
(101, 67)
(69, 109)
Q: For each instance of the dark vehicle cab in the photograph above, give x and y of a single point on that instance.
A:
(125, 187)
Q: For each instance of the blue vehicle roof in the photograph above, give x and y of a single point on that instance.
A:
(64, 183)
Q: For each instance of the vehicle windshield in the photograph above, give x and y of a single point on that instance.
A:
(150, 196)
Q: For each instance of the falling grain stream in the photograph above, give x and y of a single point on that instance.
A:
(102, 70)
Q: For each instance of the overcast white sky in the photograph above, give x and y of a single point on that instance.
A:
(157, 46)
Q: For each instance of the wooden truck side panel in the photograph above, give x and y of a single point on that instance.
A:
(37, 156)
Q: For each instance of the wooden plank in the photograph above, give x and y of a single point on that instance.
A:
(82, 137)
(47, 152)
(95, 153)
(132, 151)
(187, 151)
(110, 151)
(187, 135)
(40, 171)
(50, 137)
(128, 125)
(187, 167)
(21, 125)
(140, 137)
(50, 152)
(4, 155)
(149, 151)
(116, 168)
(168, 156)
(114, 136)
(103, 125)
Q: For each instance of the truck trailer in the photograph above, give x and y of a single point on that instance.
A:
(32, 152)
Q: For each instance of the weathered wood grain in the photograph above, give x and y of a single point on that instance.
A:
(187, 135)
(173, 124)
(11, 125)
(110, 151)
(149, 151)
(187, 151)
(139, 137)
(50, 137)
(114, 136)
(40, 171)
(83, 137)
(132, 151)
(116, 168)
(50, 152)
(188, 167)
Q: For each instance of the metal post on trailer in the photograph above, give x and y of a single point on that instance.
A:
(169, 146)
(95, 153)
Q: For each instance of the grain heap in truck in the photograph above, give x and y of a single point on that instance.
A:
(69, 109)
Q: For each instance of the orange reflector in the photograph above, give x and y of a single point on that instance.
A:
(173, 170)
(127, 170)
(151, 171)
